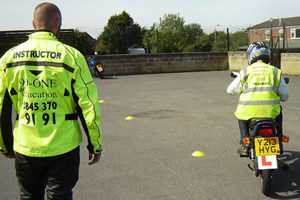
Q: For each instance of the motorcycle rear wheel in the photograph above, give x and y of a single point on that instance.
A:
(265, 181)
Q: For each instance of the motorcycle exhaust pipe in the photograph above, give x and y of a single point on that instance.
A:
(283, 166)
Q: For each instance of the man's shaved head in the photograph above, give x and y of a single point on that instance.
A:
(47, 16)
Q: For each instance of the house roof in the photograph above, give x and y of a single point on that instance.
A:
(92, 42)
(290, 21)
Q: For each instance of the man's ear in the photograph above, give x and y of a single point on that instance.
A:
(33, 24)
(57, 23)
(56, 26)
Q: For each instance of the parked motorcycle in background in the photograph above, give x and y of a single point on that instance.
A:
(264, 147)
(96, 67)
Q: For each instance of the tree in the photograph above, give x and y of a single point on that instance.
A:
(171, 35)
(203, 43)
(119, 34)
(149, 41)
(219, 41)
(238, 39)
(193, 31)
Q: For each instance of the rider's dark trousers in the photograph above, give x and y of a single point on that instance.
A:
(57, 175)
(244, 126)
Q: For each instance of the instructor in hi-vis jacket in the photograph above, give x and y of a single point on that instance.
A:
(49, 85)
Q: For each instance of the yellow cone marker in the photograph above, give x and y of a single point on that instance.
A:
(129, 118)
(101, 101)
(198, 154)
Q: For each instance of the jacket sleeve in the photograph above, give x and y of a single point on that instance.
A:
(283, 91)
(86, 98)
(6, 134)
(235, 86)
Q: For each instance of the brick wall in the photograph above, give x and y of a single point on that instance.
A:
(163, 63)
(187, 62)
(237, 60)
(290, 63)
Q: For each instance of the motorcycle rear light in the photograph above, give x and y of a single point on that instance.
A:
(246, 140)
(285, 138)
(266, 132)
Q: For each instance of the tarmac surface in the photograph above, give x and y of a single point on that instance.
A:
(150, 156)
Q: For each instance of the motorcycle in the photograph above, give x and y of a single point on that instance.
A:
(96, 68)
(264, 147)
(99, 70)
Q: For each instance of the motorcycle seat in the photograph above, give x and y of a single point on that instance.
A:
(255, 121)
(255, 124)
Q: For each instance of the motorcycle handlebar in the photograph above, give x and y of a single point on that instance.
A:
(234, 74)
(287, 80)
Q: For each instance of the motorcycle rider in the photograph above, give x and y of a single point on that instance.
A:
(261, 87)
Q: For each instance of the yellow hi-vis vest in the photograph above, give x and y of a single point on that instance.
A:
(49, 85)
(259, 97)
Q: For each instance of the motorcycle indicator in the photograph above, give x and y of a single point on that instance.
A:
(267, 146)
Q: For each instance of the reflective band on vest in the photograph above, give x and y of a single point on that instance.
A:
(268, 102)
(264, 89)
(35, 63)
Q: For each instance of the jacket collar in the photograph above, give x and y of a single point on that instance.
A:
(43, 35)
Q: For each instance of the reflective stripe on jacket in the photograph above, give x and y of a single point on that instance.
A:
(259, 97)
(49, 85)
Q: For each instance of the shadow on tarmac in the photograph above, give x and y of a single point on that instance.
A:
(286, 185)
(108, 77)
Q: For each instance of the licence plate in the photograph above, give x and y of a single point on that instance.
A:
(267, 146)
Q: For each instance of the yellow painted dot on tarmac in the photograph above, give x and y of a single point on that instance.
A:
(198, 154)
(101, 101)
(129, 118)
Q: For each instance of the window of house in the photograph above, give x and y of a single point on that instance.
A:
(267, 35)
(295, 33)
(281, 36)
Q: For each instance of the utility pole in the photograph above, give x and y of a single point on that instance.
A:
(228, 39)
(283, 39)
(271, 40)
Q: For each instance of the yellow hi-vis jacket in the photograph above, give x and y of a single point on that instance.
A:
(259, 97)
(49, 85)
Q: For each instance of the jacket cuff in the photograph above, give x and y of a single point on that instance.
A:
(93, 151)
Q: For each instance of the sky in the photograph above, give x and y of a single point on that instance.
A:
(92, 15)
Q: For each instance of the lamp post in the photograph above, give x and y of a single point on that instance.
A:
(216, 35)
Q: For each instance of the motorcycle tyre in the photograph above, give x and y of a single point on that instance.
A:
(266, 181)
(98, 74)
